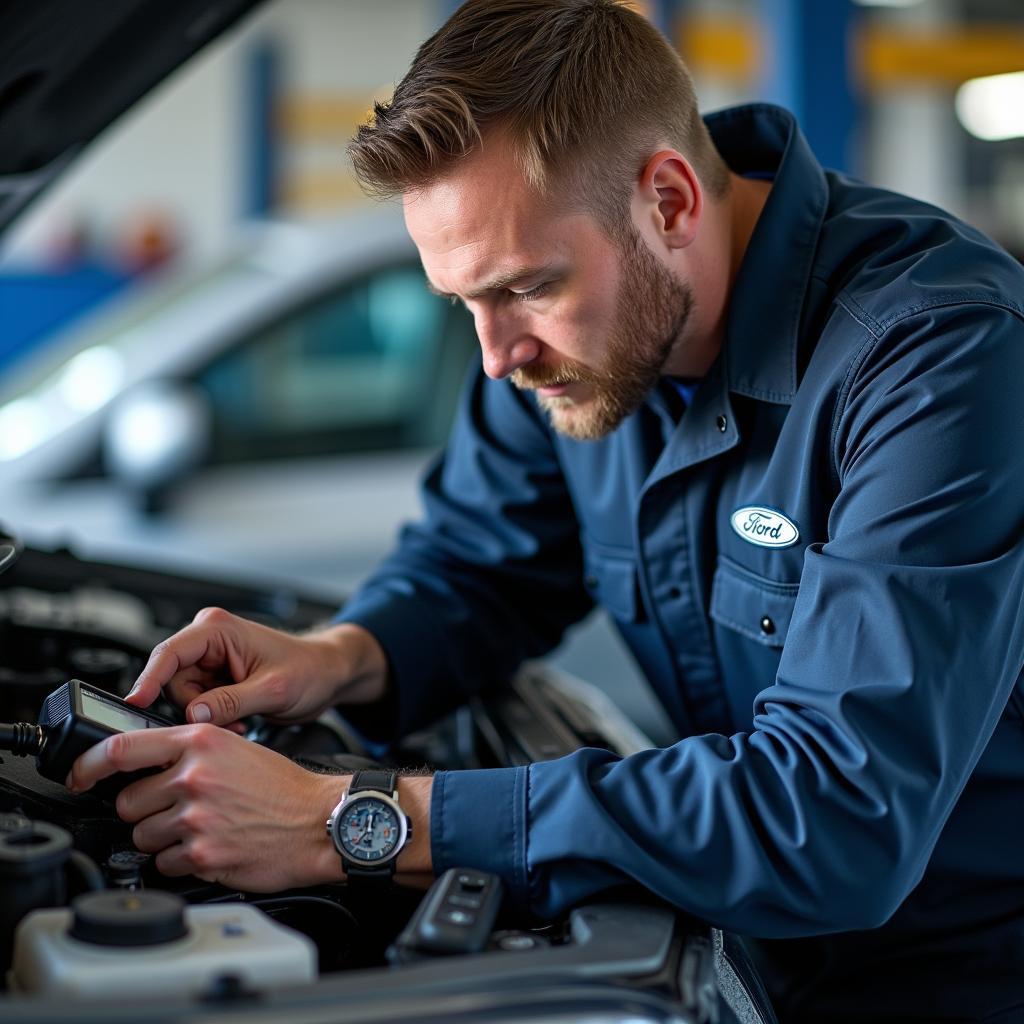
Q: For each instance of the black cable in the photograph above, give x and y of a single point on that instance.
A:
(284, 902)
(88, 870)
(21, 738)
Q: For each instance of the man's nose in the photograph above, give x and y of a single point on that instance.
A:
(504, 346)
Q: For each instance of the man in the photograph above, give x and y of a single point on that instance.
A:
(767, 416)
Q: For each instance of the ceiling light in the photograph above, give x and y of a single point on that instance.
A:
(992, 108)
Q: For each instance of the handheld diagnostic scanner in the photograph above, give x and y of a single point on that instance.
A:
(75, 717)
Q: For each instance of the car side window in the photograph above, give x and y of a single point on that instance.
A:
(373, 366)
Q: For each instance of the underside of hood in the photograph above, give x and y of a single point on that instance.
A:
(69, 68)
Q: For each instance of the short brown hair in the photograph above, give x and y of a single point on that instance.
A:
(585, 90)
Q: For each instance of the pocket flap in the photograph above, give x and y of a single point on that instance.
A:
(759, 608)
(611, 582)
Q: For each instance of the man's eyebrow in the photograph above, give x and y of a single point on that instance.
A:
(500, 281)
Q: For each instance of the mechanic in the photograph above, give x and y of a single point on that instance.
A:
(765, 414)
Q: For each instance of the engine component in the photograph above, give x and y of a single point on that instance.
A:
(124, 868)
(152, 944)
(33, 856)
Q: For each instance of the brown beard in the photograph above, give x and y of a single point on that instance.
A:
(651, 312)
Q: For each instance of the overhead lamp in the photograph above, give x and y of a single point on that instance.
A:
(992, 108)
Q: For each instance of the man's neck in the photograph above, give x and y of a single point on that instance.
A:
(747, 198)
(731, 226)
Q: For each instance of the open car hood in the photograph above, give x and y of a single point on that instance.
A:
(68, 69)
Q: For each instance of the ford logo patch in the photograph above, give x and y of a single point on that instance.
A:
(764, 527)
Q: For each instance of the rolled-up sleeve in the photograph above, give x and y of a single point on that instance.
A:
(906, 641)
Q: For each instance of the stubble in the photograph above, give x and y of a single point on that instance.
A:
(651, 312)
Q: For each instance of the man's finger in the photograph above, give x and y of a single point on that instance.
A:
(127, 752)
(144, 798)
(182, 691)
(174, 861)
(224, 705)
(158, 832)
(183, 650)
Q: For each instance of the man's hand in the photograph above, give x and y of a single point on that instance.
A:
(232, 812)
(222, 667)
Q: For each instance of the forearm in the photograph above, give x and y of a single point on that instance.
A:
(354, 663)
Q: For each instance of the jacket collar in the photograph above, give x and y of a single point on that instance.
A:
(763, 322)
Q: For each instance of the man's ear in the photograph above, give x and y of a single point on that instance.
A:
(671, 199)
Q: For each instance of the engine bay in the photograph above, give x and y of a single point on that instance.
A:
(75, 895)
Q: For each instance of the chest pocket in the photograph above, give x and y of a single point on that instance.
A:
(760, 609)
(611, 581)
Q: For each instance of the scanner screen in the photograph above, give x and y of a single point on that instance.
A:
(112, 715)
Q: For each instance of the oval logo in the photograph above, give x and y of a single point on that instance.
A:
(764, 527)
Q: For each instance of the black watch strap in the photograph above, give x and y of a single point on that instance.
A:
(375, 876)
(379, 779)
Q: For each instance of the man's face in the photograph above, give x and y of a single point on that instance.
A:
(561, 308)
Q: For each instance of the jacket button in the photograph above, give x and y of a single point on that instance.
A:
(722, 423)
(767, 626)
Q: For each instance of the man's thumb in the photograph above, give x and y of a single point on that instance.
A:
(223, 704)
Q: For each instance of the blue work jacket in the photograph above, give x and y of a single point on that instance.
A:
(818, 566)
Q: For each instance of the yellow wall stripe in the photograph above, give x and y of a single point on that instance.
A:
(728, 48)
(888, 59)
(884, 57)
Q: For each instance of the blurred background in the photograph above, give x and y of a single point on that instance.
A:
(217, 356)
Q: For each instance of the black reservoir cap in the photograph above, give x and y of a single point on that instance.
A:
(128, 918)
(31, 848)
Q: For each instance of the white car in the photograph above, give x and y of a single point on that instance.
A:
(272, 412)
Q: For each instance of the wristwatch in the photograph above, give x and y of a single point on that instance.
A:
(368, 827)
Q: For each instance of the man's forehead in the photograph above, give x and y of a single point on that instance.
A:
(468, 237)
(483, 199)
(463, 209)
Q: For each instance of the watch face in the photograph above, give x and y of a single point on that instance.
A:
(369, 829)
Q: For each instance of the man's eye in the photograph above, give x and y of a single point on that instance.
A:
(533, 293)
